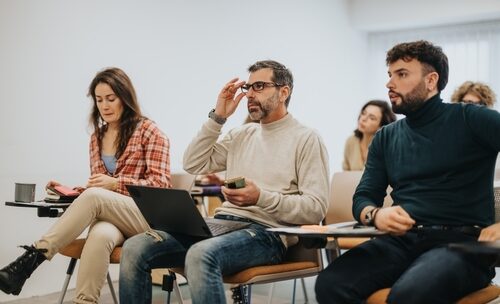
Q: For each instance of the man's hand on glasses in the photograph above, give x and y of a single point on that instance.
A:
(228, 101)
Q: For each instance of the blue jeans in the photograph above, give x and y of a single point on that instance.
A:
(205, 261)
(418, 266)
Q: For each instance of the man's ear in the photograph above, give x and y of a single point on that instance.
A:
(432, 81)
(284, 93)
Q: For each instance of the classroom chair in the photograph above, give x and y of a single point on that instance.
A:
(489, 294)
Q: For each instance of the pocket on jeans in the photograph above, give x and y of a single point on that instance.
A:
(274, 240)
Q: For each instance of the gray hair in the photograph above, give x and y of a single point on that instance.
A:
(281, 75)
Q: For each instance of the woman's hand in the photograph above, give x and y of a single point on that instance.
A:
(103, 181)
(79, 189)
(51, 184)
(212, 179)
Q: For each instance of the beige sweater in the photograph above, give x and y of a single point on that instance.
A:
(286, 160)
(352, 155)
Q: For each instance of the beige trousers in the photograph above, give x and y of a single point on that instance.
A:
(112, 218)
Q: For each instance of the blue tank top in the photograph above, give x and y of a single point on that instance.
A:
(109, 162)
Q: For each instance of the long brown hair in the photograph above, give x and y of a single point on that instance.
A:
(123, 89)
(387, 115)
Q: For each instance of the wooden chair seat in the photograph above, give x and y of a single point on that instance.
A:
(349, 243)
(245, 276)
(299, 263)
(248, 274)
(481, 296)
(378, 297)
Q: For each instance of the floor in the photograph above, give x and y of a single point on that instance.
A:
(282, 294)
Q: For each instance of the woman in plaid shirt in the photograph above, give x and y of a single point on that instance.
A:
(125, 148)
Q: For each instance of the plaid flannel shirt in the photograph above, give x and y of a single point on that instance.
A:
(145, 161)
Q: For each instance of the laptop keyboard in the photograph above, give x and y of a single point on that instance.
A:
(218, 229)
(219, 226)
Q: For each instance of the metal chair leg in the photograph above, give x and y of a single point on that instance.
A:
(306, 298)
(69, 273)
(333, 253)
(271, 293)
(204, 202)
(169, 284)
(249, 293)
(293, 292)
(178, 292)
(112, 289)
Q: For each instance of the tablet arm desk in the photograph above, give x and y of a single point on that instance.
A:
(43, 209)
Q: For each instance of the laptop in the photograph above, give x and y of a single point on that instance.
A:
(174, 211)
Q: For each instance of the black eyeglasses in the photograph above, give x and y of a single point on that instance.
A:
(479, 103)
(259, 86)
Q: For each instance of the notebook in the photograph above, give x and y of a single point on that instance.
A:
(174, 211)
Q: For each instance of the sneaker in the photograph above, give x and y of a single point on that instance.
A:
(13, 276)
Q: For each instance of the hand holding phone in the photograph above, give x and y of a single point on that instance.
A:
(235, 183)
(241, 191)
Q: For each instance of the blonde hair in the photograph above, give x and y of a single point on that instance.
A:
(481, 90)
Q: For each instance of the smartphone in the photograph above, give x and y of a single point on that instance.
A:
(235, 183)
(63, 190)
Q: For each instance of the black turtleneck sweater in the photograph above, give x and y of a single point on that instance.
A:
(440, 163)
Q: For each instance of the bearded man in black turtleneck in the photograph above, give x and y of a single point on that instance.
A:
(439, 161)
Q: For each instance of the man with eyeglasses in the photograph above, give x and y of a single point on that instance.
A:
(285, 166)
(439, 161)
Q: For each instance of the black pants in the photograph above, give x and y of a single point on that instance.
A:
(417, 266)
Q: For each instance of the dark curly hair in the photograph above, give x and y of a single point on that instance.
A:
(432, 58)
(387, 115)
(122, 87)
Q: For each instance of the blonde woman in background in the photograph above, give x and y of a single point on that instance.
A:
(476, 93)
(374, 115)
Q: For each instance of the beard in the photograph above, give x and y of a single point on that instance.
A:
(263, 108)
(411, 101)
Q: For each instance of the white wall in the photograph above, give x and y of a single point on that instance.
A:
(390, 15)
(178, 54)
(466, 29)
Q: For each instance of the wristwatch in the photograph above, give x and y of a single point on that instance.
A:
(218, 119)
(370, 217)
